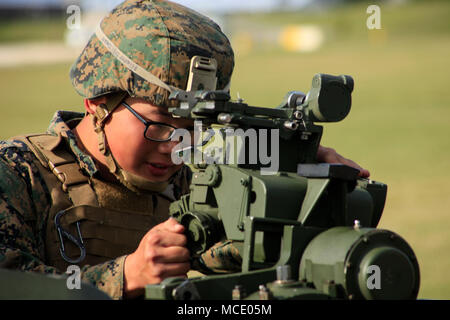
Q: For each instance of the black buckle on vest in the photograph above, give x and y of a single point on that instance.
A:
(78, 242)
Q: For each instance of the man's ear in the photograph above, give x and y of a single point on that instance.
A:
(91, 104)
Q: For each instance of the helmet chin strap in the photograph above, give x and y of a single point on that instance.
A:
(133, 182)
(139, 184)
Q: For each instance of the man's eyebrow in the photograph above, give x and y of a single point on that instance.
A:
(161, 112)
(157, 112)
(168, 115)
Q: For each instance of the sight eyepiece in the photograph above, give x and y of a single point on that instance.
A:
(329, 99)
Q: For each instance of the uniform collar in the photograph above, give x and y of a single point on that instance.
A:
(61, 124)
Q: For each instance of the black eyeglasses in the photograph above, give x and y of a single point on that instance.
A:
(162, 132)
(154, 131)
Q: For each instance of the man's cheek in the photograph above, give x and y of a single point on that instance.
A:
(177, 168)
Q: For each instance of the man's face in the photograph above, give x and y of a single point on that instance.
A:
(133, 152)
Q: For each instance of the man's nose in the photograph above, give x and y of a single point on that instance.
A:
(167, 146)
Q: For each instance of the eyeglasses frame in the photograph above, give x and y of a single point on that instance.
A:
(148, 123)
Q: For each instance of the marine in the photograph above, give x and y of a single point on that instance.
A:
(95, 188)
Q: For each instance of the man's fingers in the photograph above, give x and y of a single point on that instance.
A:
(329, 155)
(173, 240)
(166, 238)
(168, 262)
(174, 255)
(363, 173)
(171, 270)
(170, 225)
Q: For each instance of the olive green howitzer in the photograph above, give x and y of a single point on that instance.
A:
(307, 231)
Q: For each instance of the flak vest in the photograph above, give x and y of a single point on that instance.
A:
(91, 221)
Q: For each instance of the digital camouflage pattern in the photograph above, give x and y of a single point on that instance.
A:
(159, 36)
(223, 257)
(25, 204)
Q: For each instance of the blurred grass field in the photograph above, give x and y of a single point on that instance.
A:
(18, 30)
(399, 126)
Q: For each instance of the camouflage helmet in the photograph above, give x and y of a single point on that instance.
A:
(159, 36)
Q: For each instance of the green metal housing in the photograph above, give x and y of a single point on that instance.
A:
(306, 232)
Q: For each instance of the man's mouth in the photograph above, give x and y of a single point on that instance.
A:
(158, 169)
(162, 166)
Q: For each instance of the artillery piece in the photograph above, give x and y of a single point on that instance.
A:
(304, 231)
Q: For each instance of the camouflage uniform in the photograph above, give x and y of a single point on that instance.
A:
(160, 37)
(24, 206)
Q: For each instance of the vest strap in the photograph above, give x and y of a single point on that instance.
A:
(51, 154)
(111, 219)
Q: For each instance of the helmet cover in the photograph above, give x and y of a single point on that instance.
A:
(159, 36)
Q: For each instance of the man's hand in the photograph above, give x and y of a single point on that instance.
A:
(330, 155)
(161, 254)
